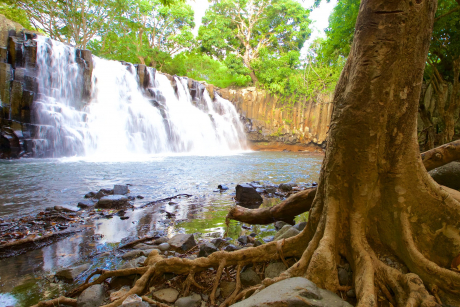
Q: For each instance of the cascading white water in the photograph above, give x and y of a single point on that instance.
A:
(120, 120)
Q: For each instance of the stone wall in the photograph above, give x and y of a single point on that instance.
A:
(276, 124)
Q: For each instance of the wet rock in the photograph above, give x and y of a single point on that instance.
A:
(231, 248)
(92, 296)
(140, 197)
(293, 292)
(243, 240)
(269, 238)
(193, 300)
(120, 190)
(300, 226)
(112, 202)
(160, 240)
(164, 246)
(86, 204)
(218, 242)
(71, 274)
(257, 243)
(168, 295)
(270, 189)
(63, 209)
(280, 224)
(448, 175)
(134, 301)
(119, 294)
(222, 187)
(286, 232)
(90, 195)
(274, 269)
(285, 187)
(245, 193)
(131, 198)
(207, 249)
(253, 234)
(182, 242)
(133, 254)
(351, 293)
(142, 246)
(134, 263)
(249, 278)
(344, 277)
(227, 288)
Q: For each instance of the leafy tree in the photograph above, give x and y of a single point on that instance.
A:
(15, 14)
(246, 27)
(146, 31)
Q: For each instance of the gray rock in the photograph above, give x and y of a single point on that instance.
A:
(286, 232)
(285, 187)
(142, 246)
(134, 301)
(249, 278)
(112, 202)
(300, 226)
(227, 288)
(182, 242)
(120, 190)
(164, 246)
(193, 300)
(207, 249)
(293, 292)
(243, 240)
(90, 195)
(168, 295)
(222, 187)
(257, 243)
(274, 269)
(71, 274)
(231, 248)
(160, 240)
(133, 254)
(351, 293)
(280, 224)
(91, 297)
(448, 175)
(86, 204)
(344, 277)
(247, 194)
(218, 242)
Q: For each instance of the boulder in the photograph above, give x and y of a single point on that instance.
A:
(227, 288)
(300, 226)
(71, 274)
(280, 224)
(168, 295)
(286, 232)
(207, 249)
(193, 300)
(285, 187)
(120, 190)
(249, 278)
(112, 202)
(160, 240)
(91, 297)
(293, 292)
(231, 248)
(245, 193)
(243, 240)
(274, 269)
(90, 195)
(182, 242)
(134, 263)
(217, 242)
(164, 246)
(134, 301)
(448, 175)
(119, 294)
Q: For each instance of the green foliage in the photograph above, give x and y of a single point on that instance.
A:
(204, 68)
(147, 32)
(245, 28)
(15, 14)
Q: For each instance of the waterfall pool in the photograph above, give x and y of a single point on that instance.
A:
(31, 185)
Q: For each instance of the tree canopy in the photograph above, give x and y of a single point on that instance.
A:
(250, 28)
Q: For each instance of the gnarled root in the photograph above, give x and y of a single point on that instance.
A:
(441, 155)
(57, 302)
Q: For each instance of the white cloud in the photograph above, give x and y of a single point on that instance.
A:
(319, 16)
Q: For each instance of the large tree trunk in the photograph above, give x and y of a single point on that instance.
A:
(375, 197)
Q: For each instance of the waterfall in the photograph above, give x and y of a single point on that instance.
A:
(119, 118)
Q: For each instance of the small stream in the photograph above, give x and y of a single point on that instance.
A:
(30, 185)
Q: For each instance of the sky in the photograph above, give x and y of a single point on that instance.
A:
(319, 16)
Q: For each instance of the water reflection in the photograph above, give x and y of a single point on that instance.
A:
(38, 184)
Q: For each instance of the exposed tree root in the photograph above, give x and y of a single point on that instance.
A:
(441, 155)
(57, 302)
(284, 211)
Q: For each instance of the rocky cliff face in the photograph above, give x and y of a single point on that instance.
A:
(275, 124)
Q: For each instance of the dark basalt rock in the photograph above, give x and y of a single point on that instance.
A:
(207, 249)
(245, 193)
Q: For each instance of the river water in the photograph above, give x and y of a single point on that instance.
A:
(30, 185)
